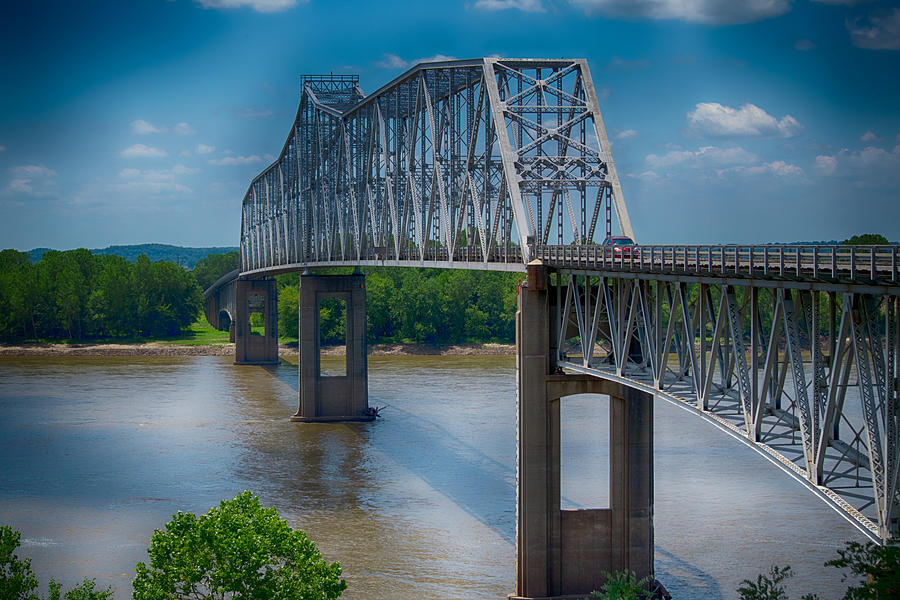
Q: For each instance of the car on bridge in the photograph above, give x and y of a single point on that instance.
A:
(619, 245)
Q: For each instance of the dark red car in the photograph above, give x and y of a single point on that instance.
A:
(620, 245)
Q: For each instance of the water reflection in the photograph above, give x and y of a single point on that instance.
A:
(97, 452)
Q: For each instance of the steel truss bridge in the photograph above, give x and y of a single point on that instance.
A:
(494, 163)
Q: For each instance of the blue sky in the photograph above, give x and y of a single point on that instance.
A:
(751, 121)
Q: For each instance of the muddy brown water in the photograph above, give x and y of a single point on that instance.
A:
(97, 452)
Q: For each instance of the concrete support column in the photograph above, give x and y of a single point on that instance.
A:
(337, 397)
(562, 553)
(255, 296)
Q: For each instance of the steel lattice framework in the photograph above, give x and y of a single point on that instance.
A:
(452, 163)
(805, 372)
(490, 163)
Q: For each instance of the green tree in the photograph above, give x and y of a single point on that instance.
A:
(878, 565)
(238, 550)
(288, 312)
(18, 582)
(16, 300)
(867, 239)
(209, 269)
(622, 585)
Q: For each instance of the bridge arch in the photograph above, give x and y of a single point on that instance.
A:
(454, 165)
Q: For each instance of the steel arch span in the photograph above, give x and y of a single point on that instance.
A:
(806, 373)
(451, 164)
(494, 163)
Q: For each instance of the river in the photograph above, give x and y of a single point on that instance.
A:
(97, 452)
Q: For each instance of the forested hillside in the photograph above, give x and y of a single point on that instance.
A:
(78, 295)
(182, 256)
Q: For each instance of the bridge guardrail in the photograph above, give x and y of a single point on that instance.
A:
(854, 263)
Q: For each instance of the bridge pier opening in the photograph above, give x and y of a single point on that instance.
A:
(564, 553)
(344, 395)
(255, 327)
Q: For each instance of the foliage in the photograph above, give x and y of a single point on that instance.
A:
(86, 590)
(766, 587)
(288, 311)
(209, 269)
(238, 550)
(404, 304)
(621, 585)
(867, 239)
(879, 565)
(78, 295)
(18, 582)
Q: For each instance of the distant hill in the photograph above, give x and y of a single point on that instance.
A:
(180, 255)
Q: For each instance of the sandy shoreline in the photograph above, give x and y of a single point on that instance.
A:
(163, 349)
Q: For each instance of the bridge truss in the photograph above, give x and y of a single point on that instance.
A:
(450, 164)
(491, 163)
(804, 369)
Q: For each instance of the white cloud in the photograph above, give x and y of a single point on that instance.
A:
(2, 148)
(33, 171)
(708, 156)
(142, 151)
(235, 160)
(523, 5)
(603, 93)
(254, 113)
(183, 129)
(185, 153)
(142, 127)
(826, 164)
(869, 167)
(157, 174)
(712, 118)
(204, 149)
(804, 45)
(709, 12)
(34, 180)
(263, 6)
(868, 137)
(392, 61)
(154, 187)
(628, 133)
(718, 163)
(779, 168)
(882, 34)
(183, 170)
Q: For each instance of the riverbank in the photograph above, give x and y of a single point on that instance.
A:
(170, 349)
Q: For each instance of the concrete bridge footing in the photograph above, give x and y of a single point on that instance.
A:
(333, 397)
(255, 296)
(564, 553)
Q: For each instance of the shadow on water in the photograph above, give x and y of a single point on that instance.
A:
(479, 484)
(676, 574)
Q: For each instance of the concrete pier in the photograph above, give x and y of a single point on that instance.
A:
(563, 553)
(255, 296)
(338, 397)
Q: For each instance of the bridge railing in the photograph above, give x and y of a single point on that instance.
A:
(853, 263)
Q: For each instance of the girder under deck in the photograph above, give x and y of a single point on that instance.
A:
(493, 163)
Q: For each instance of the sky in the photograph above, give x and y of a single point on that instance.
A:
(747, 121)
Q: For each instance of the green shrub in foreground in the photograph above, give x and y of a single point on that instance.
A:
(18, 582)
(237, 550)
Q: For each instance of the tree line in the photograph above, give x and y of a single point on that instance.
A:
(417, 305)
(77, 295)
